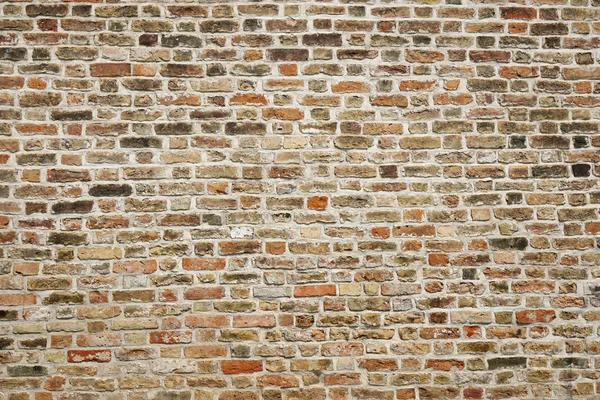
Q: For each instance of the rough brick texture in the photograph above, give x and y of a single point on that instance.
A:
(303, 200)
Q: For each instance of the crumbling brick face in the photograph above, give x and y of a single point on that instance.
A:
(303, 200)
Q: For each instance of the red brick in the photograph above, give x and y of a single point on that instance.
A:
(343, 378)
(110, 69)
(535, 316)
(523, 13)
(241, 366)
(12, 82)
(318, 202)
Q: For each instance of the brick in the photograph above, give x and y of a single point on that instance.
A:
(75, 207)
(205, 351)
(390, 101)
(110, 190)
(424, 56)
(245, 128)
(549, 28)
(314, 290)
(248, 99)
(230, 367)
(47, 10)
(242, 247)
(213, 292)
(262, 321)
(535, 316)
(579, 73)
(278, 55)
(350, 87)
(342, 349)
(207, 321)
(188, 11)
(26, 370)
(181, 70)
(33, 99)
(322, 39)
(248, 195)
(67, 175)
(519, 13)
(141, 266)
(67, 239)
(507, 362)
(479, 56)
(12, 82)
(378, 364)
(79, 356)
(170, 337)
(110, 69)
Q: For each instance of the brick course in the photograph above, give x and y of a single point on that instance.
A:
(351, 199)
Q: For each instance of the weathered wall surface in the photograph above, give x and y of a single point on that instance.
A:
(299, 200)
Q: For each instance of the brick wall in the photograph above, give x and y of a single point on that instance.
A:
(311, 200)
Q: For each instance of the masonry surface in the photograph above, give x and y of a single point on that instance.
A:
(299, 200)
